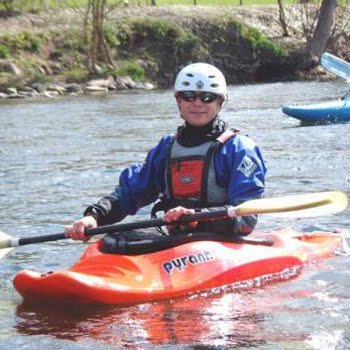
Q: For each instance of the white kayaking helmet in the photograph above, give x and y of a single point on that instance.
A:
(201, 77)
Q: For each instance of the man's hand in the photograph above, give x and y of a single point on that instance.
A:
(76, 230)
(175, 214)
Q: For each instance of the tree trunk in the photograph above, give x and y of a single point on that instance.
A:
(98, 51)
(319, 40)
(282, 18)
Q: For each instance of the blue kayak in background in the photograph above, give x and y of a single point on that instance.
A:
(323, 112)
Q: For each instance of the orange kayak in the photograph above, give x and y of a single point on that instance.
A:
(192, 267)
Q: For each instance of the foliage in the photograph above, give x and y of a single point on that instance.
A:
(8, 80)
(70, 40)
(110, 36)
(130, 68)
(4, 51)
(123, 32)
(260, 41)
(164, 42)
(29, 41)
(37, 77)
(24, 41)
(7, 4)
(189, 47)
(77, 74)
(159, 30)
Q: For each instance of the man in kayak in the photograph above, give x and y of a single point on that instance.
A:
(204, 164)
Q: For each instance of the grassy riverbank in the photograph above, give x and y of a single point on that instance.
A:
(150, 43)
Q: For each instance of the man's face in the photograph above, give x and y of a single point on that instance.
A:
(198, 108)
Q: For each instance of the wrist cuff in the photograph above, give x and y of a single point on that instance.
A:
(91, 211)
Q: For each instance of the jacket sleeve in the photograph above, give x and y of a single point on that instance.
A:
(139, 185)
(240, 167)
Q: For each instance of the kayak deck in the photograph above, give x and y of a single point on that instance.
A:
(185, 269)
(331, 111)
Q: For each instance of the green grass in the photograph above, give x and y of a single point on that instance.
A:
(133, 69)
(4, 51)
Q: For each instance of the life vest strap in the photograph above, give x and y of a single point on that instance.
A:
(226, 135)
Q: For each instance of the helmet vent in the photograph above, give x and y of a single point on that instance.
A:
(211, 76)
(214, 85)
(185, 83)
(190, 75)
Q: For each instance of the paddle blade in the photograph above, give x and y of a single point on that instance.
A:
(297, 206)
(5, 243)
(336, 65)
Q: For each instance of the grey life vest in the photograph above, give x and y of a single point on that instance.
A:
(190, 178)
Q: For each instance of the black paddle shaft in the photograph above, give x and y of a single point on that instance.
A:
(128, 226)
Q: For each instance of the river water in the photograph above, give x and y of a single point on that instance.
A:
(57, 156)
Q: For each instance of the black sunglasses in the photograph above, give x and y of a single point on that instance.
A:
(191, 96)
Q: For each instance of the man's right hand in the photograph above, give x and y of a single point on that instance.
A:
(76, 230)
(175, 214)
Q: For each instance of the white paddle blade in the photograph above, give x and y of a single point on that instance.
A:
(297, 206)
(336, 65)
(5, 242)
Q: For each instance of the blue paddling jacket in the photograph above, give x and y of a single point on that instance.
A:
(239, 168)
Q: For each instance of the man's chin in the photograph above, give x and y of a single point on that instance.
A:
(196, 123)
(198, 120)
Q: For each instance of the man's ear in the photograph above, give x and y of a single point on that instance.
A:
(222, 102)
(177, 98)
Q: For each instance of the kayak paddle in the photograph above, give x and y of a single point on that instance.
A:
(297, 206)
(336, 65)
(3, 247)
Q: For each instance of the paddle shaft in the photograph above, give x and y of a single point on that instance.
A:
(201, 216)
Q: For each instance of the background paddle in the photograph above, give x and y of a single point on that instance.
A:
(4, 238)
(305, 205)
(336, 65)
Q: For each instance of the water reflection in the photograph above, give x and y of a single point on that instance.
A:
(210, 321)
(259, 318)
(224, 319)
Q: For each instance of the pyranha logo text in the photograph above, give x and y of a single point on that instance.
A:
(182, 262)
